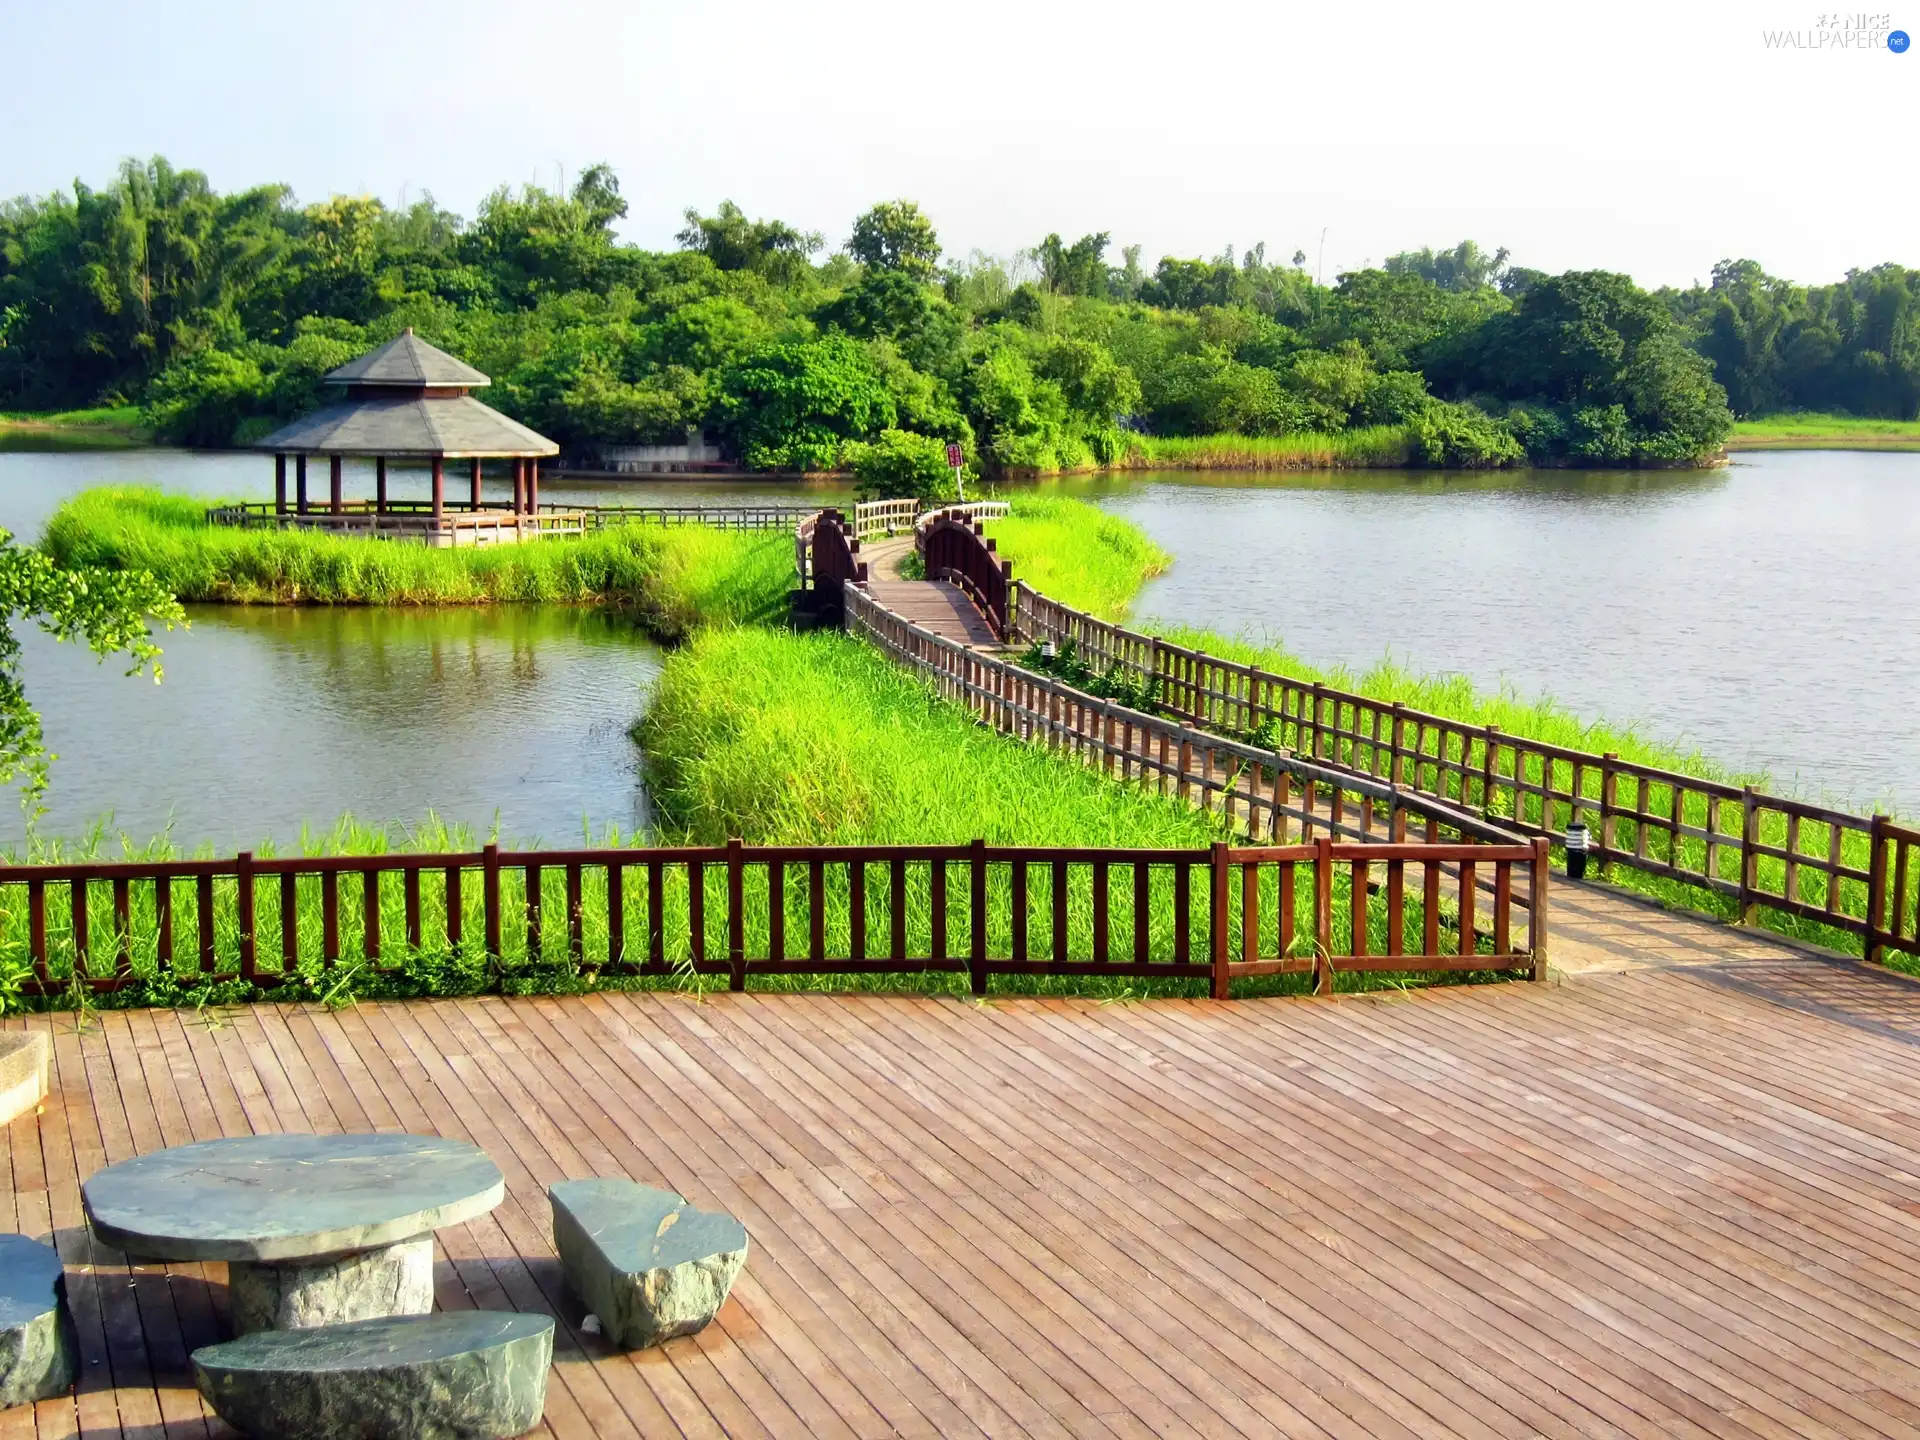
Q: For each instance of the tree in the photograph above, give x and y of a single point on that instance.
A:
(1076, 269)
(894, 235)
(597, 191)
(111, 612)
(770, 248)
(793, 406)
(1465, 267)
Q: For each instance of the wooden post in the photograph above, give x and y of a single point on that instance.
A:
(333, 482)
(300, 483)
(1323, 916)
(474, 484)
(243, 879)
(1749, 857)
(279, 484)
(489, 896)
(439, 492)
(1875, 949)
(1609, 801)
(519, 487)
(977, 903)
(380, 486)
(1219, 899)
(533, 487)
(737, 917)
(1489, 771)
(1537, 906)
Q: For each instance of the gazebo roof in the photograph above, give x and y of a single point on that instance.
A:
(450, 426)
(407, 360)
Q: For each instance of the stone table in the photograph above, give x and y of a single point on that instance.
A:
(315, 1229)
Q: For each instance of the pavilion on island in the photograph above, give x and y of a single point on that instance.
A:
(408, 401)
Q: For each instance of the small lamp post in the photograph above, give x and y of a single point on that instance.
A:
(1576, 843)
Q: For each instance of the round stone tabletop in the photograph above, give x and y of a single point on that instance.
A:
(288, 1197)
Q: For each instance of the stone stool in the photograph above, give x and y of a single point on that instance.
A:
(26, 1068)
(455, 1375)
(38, 1347)
(648, 1264)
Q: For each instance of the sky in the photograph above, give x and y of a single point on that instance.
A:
(1651, 138)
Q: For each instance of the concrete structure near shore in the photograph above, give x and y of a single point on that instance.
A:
(408, 401)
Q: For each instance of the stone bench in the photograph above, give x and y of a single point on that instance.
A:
(648, 1264)
(37, 1342)
(455, 1375)
(26, 1067)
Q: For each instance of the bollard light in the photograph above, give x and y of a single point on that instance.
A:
(1576, 851)
(1048, 650)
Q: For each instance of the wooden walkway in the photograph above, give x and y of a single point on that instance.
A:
(942, 609)
(1678, 1201)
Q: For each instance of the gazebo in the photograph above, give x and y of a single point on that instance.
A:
(409, 401)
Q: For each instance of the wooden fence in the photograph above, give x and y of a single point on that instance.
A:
(1760, 851)
(833, 562)
(738, 910)
(254, 514)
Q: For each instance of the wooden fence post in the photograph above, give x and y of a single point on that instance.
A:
(1537, 906)
(1323, 916)
(490, 898)
(243, 875)
(1609, 800)
(1875, 950)
(977, 903)
(1219, 896)
(1489, 771)
(1749, 857)
(737, 916)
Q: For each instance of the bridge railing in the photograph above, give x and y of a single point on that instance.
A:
(952, 547)
(833, 563)
(1263, 795)
(1760, 852)
(327, 926)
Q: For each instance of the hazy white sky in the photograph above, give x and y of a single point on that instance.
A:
(1651, 138)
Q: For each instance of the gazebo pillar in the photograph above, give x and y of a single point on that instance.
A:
(380, 486)
(475, 485)
(300, 483)
(279, 484)
(533, 487)
(333, 482)
(519, 487)
(439, 492)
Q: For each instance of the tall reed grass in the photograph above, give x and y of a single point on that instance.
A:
(1384, 446)
(673, 577)
(1077, 553)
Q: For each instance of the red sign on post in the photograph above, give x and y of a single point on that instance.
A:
(954, 458)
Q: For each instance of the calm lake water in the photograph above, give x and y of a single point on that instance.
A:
(271, 719)
(1762, 613)
(1758, 613)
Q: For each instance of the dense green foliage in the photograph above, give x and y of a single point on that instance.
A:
(220, 313)
(673, 577)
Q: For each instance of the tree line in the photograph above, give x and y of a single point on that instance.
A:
(219, 313)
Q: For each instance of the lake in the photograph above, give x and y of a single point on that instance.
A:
(1756, 613)
(507, 717)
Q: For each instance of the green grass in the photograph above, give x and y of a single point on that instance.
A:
(1806, 429)
(1077, 554)
(102, 417)
(1386, 446)
(673, 577)
(819, 739)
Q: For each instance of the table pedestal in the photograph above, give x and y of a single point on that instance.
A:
(300, 1294)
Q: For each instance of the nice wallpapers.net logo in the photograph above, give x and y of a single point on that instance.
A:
(1866, 34)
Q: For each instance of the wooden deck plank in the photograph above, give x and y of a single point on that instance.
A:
(1678, 1201)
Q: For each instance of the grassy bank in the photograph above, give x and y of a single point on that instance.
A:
(1811, 430)
(104, 427)
(818, 739)
(1078, 554)
(1385, 446)
(673, 577)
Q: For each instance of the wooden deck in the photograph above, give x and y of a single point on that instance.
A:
(1679, 1201)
